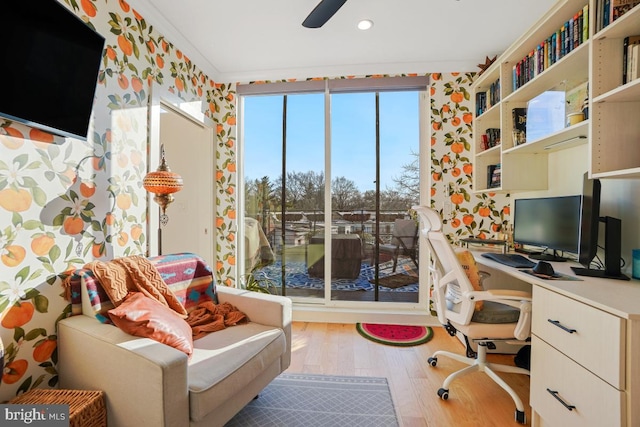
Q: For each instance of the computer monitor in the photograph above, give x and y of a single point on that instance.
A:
(590, 224)
(551, 223)
(589, 220)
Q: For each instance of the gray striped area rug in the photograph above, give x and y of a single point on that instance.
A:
(306, 400)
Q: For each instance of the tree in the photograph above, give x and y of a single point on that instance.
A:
(408, 183)
(344, 194)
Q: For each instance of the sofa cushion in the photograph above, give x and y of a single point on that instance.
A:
(145, 317)
(226, 361)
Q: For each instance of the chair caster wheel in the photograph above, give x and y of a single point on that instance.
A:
(443, 393)
(433, 361)
(520, 417)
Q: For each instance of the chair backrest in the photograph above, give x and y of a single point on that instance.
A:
(450, 282)
(405, 233)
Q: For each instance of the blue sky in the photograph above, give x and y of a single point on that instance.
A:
(353, 128)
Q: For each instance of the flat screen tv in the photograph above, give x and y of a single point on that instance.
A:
(50, 67)
(550, 223)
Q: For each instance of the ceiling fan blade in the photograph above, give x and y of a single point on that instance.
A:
(322, 13)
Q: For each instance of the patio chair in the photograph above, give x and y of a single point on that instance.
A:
(404, 241)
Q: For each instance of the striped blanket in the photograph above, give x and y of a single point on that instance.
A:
(186, 274)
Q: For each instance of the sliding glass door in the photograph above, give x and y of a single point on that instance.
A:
(329, 181)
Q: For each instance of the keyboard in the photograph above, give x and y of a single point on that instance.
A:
(512, 260)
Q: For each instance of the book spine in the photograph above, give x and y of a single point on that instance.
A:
(585, 22)
(634, 61)
(570, 31)
(577, 29)
(546, 53)
(532, 65)
(606, 10)
(599, 9)
(625, 59)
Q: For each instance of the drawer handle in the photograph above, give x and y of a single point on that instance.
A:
(559, 399)
(559, 325)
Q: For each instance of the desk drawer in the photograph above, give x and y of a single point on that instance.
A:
(595, 402)
(591, 337)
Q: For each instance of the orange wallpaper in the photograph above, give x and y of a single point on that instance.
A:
(65, 202)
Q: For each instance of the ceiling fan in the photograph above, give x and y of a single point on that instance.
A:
(322, 13)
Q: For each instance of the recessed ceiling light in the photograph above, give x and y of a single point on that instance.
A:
(365, 24)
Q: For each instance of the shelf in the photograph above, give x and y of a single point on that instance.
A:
(621, 27)
(489, 190)
(629, 92)
(572, 67)
(490, 151)
(492, 113)
(487, 78)
(538, 33)
(621, 174)
(612, 133)
(563, 139)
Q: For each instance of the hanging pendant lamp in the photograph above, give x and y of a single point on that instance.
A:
(163, 183)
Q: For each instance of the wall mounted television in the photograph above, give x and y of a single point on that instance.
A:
(50, 67)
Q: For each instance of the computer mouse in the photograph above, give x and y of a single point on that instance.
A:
(543, 267)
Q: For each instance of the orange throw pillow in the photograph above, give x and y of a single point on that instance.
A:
(470, 267)
(145, 317)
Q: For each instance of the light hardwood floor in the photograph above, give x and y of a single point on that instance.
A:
(475, 400)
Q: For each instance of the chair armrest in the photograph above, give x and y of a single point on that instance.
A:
(266, 309)
(503, 296)
(145, 381)
(513, 298)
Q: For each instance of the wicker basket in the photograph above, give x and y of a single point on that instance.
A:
(86, 407)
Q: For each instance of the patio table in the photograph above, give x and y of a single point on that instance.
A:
(346, 256)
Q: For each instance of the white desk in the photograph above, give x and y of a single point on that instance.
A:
(593, 364)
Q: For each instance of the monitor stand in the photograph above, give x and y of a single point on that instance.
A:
(612, 252)
(548, 257)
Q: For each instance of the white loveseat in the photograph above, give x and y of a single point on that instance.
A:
(147, 383)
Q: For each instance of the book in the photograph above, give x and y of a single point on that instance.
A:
(490, 176)
(599, 10)
(634, 59)
(585, 22)
(519, 117)
(620, 7)
(627, 43)
(606, 11)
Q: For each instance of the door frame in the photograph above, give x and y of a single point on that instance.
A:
(192, 112)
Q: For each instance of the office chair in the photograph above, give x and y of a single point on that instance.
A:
(455, 301)
(404, 240)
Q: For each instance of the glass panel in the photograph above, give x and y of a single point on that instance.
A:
(262, 237)
(388, 265)
(305, 182)
(289, 226)
(399, 191)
